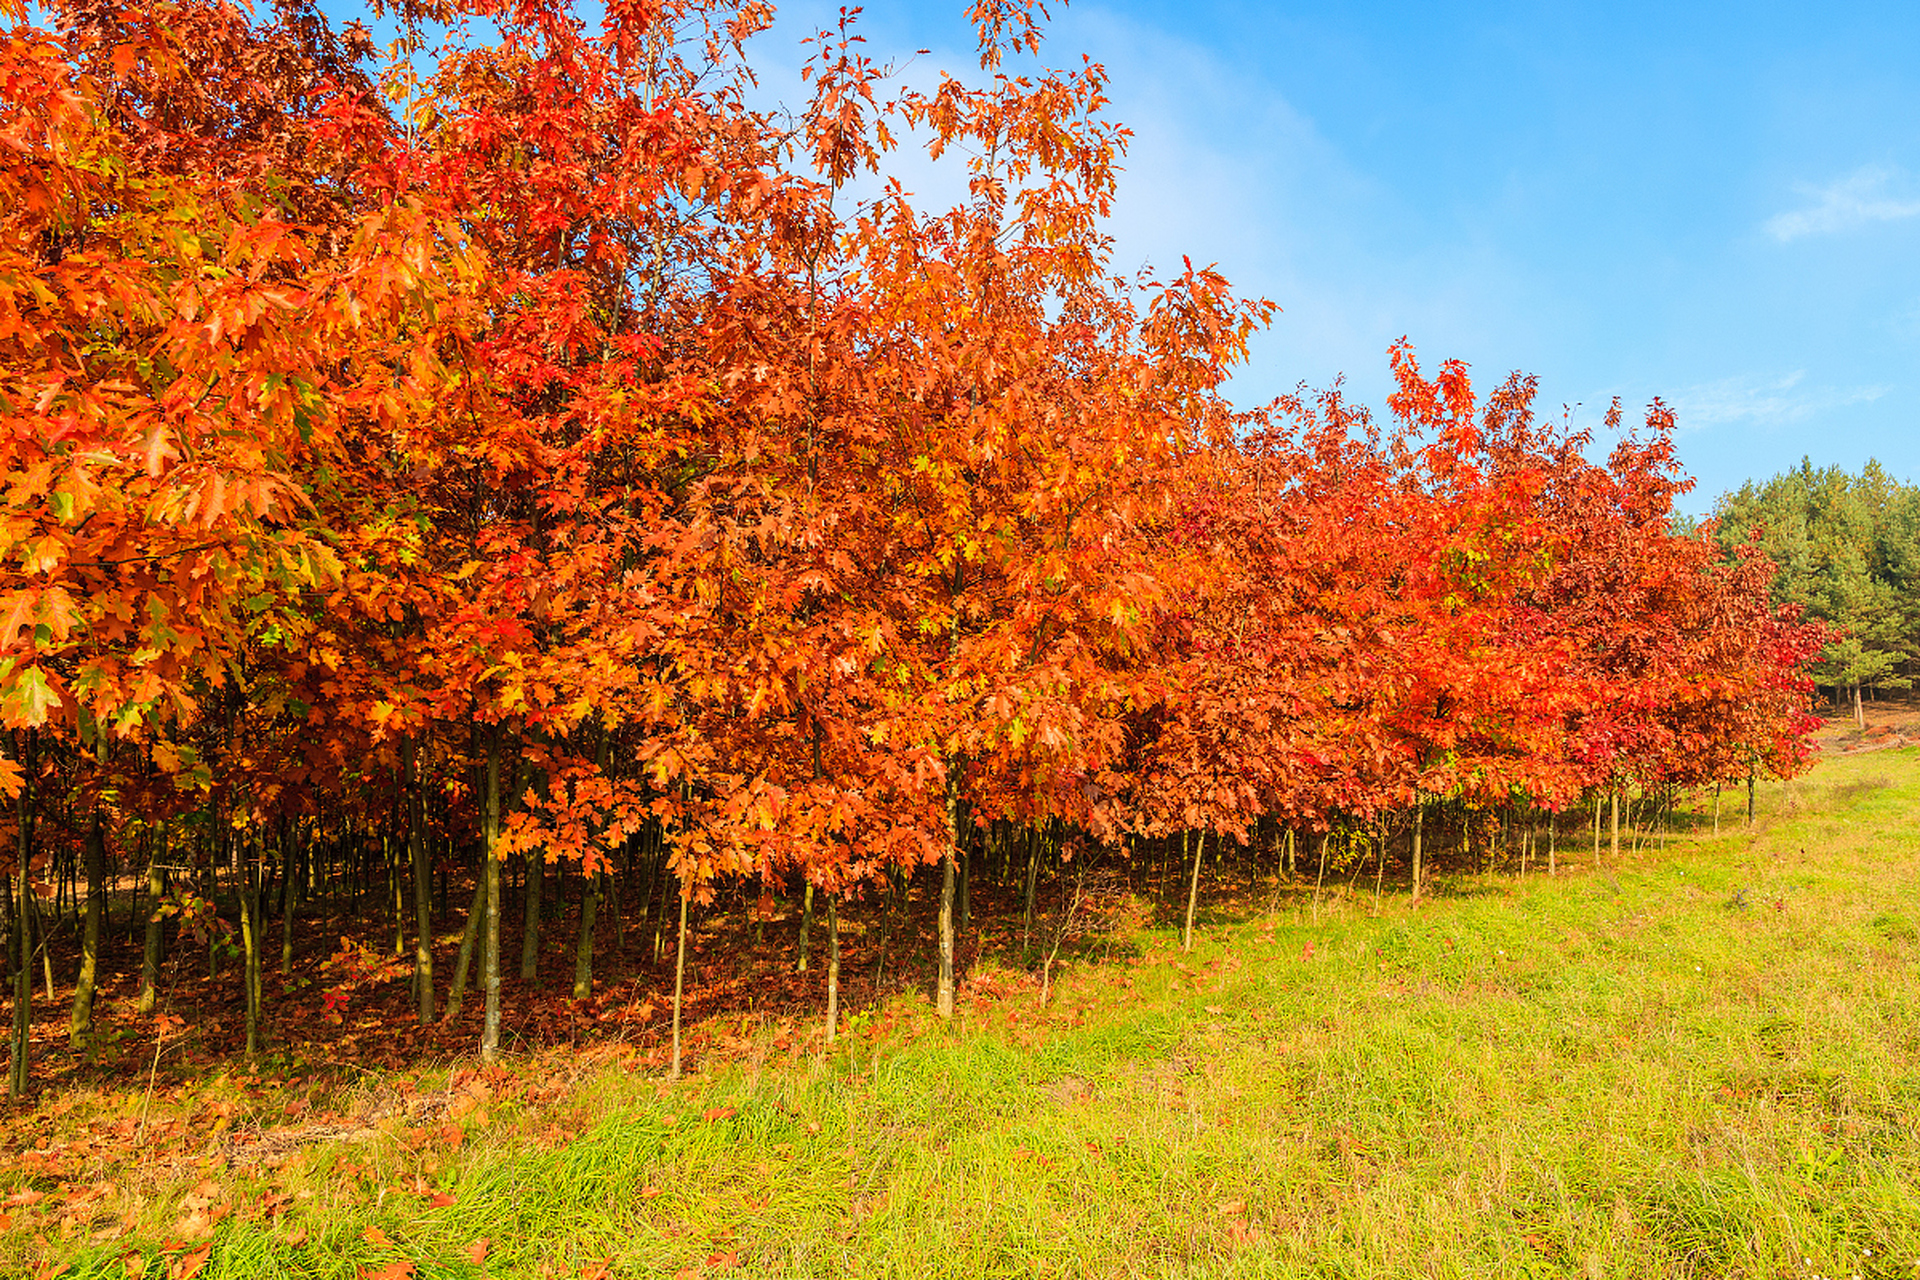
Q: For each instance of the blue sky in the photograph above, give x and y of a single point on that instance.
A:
(1718, 205)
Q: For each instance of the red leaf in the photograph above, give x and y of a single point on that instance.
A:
(188, 1265)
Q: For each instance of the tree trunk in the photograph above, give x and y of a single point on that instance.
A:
(806, 925)
(80, 1026)
(963, 906)
(943, 1001)
(1750, 781)
(1613, 851)
(679, 979)
(1859, 714)
(469, 940)
(833, 968)
(530, 934)
(1716, 807)
(1320, 878)
(422, 867)
(248, 889)
(154, 942)
(1193, 886)
(23, 925)
(1419, 823)
(1553, 851)
(290, 859)
(583, 952)
(1033, 878)
(490, 946)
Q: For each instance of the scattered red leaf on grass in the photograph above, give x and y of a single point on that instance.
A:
(719, 1113)
(399, 1270)
(477, 1251)
(188, 1265)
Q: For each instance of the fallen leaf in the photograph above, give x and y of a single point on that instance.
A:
(439, 1200)
(188, 1265)
(377, 1238)
(648, 1193)
(477, 1251)
(399, 1270)
(719, 1113)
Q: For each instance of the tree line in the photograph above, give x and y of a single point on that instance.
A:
(1847, 549)
(517, 453)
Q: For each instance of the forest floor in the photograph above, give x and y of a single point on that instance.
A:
(1703, 1059)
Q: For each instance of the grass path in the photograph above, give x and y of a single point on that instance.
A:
(1707, 1064)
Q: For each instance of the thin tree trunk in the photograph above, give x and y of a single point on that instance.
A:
(490, 945)
(23, 925)
(679, 979)
(536, 863)
(1716, 806)
(583, 953)
(963, 906)
(1321, 878)
(833, 968)
(1033, 878)
(250, 951)
(422, 867)
(1553, 852)
(469, 941)
(806, 925)
(1750, 787)
(1613, 850)
(1419, 824)
(154, 942)
(80, 1026)
(290, 858)
(943, 1001)
(1193, 886)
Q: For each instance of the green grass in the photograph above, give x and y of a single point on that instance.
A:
(1707, 1066)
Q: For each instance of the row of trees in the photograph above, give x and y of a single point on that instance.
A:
(1848, 551)
(530, 450)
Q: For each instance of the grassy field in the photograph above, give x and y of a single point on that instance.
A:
(1703, 1062)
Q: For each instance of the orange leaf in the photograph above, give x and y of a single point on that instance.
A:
(719, 1113)
(439, 1200)
(399, 1270)
(377, 1238)
(477, 1251)
(188, 1265)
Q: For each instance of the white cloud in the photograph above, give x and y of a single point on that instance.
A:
(1763, 401)
(1853, 201)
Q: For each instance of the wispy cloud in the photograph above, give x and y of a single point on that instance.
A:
(1854, 201)
(1764, 401)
